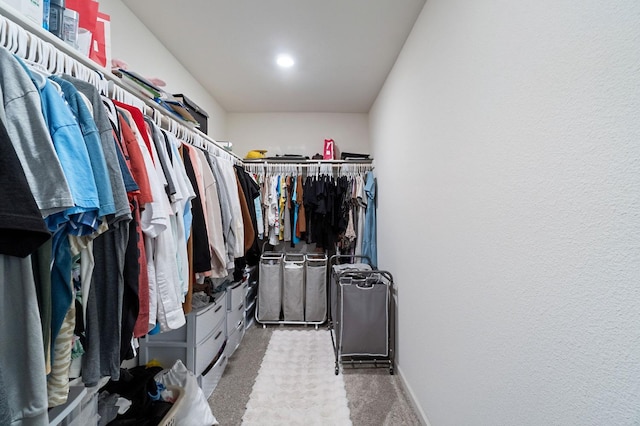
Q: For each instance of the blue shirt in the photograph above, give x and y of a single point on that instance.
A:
(369, 242)
(92, 141)
(74, 159)
(296, 208)
(82, 219)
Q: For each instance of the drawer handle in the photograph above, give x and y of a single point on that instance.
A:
(217, 335)
(217, 309)
(239, 324)
(241, 306)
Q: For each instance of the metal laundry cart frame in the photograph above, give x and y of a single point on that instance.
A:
(350, 277)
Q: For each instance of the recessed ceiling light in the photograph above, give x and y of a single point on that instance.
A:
(285, 61)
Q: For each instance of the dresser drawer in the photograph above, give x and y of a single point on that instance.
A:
(206, 351)
(236, 294)
(235, 337)
(209, 318)
(200, 323)
(234, 317)
(210, 379)
(235, 306)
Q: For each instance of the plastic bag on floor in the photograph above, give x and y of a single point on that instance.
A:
(194, 409)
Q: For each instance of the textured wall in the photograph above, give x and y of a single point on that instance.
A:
(133, 43)
(297, 133)
(508, 146)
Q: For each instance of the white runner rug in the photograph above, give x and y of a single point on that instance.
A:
(296, 384)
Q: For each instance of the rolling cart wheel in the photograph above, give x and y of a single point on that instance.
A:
(337, 371)
(391, 371)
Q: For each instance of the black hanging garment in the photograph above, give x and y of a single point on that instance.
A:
(251, 191)
(201, 253)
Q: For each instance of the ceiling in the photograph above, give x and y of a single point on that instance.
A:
(343, 49)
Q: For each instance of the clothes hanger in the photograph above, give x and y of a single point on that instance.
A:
(3, 31)
(32, 49)
(157, 118)
(180, 134)
(120, 95)
(101, 82)
(12, 36)
(60, 62)
(22, 40)
(68, 64)
(50, 61)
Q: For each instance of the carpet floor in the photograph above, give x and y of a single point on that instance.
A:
(375, 397)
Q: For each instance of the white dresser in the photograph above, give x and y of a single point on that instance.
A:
(197, 344)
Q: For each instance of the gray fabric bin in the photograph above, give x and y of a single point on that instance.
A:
(270, 287)
(293, 288)
(333, 291)
(316, 288)
(363, 317)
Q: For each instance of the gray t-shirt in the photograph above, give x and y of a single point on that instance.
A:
(21, 113)
(21, 350)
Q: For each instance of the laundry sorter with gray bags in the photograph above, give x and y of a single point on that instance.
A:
(292, 289)
(361, 314)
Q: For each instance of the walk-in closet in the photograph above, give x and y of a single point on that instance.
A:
(360, 212)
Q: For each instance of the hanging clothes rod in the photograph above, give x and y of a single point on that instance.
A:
(305, 163)
(317, 168)
(40, 48)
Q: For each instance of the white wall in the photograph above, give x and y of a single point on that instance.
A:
(133, 43)
(297, 133)
(508, 146)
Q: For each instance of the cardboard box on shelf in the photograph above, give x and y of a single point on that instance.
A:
(32, 9)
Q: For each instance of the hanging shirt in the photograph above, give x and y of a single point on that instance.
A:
(74, 158)
(274, 211)
(165, 162)
(183, 184)
(282, 203)
(120, 267)
(235, 239)
(164, 297)
(361, 205)
(22, 360)
(138, 119)
(136, 259)
(184, 195)
(92, 142)
(22, 229)
(225, 205)
(296, 208)
(202, 251)
(248, 232)
(105, 131)
(80, 220)
(259, 219)
(301, 224)
(30, 137)
(369, 242)
(250, 191)
(286, 235)
(214, 227)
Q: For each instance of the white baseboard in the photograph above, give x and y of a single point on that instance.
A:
(412, 398)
